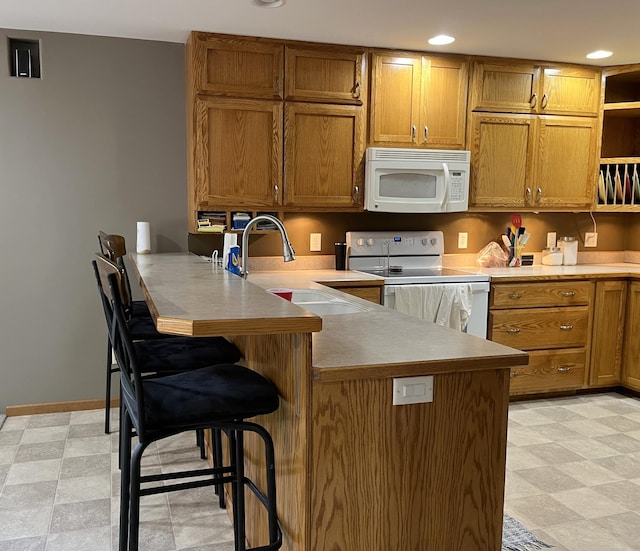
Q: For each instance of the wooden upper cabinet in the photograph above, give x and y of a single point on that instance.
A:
(328, 75)
(566, 162)
(418, 100)
(238, 153)
(532, 161)
(528, 88)
(324, 152)
(237, 66)
(502, 159)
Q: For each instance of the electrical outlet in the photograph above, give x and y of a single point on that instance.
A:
(463, 237)
(590, 239)
(315, 242)
(551, 239)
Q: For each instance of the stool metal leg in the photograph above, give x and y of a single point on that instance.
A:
(216, 442)
(107, 398)
(125, 485)
(238, 502)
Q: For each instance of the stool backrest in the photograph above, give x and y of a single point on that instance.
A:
(112, 286)
(114, 248)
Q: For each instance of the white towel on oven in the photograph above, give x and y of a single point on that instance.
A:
(446, 304)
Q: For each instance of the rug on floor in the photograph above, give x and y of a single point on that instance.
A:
(515, 537)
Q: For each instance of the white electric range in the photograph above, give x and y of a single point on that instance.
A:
(415, 258)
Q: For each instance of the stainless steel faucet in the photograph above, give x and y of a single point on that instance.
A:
(287, 250)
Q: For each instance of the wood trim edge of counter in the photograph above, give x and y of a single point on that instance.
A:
(324, 375)
(252, 326)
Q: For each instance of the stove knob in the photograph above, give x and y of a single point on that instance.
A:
(433, 241)
(370, 242)
(360, 242)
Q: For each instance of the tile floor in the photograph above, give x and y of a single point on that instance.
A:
(573, 478)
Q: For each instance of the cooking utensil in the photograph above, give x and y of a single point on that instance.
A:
(507, 242)
(524, 238)
(516, 220)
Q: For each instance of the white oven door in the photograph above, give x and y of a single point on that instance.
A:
(477, 322)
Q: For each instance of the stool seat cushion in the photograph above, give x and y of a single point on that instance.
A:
(217, 393)
(140, 309)
(176, 354)
(142, 328)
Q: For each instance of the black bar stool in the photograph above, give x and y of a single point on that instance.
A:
(218, 397)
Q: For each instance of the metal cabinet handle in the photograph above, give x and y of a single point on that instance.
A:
(514, 374)
(527, 195)
(356, 190)
(513, 330)
(515, 296)
(539, 195)
(533, 101)
(566, 327)
(413, 133)
(568, 293)
(545, 101)
(276, 190)
(426, 132)
(563, 368)
(276, 88)
(356, 91)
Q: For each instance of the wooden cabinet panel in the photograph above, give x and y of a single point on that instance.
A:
(566, 172)
(372, 294)
(571, 90)
(544, 328)
(331, 76)
(549, 370)
(237, 66)
(238, 152)
(608, 330)
(522, 295)
(502, 158)
(395, 109)
(631, 369)
(504, 88)
(324, 152)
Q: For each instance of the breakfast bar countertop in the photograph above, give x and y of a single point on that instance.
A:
(189, 296)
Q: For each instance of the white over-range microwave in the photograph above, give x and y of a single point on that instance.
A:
(416, 180)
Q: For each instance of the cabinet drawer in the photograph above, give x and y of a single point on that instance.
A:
(530, 329)
(372, 294)
(549, 370)
(524, 295)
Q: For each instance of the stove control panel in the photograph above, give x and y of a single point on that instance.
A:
(403, 243)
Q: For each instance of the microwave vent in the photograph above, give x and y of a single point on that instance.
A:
(439, 155)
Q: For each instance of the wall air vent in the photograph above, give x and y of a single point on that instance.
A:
(24, 58)
(389, 153)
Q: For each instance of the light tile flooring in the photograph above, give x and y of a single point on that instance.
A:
(573, 477)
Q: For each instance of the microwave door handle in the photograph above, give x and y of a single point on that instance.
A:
(445, 195)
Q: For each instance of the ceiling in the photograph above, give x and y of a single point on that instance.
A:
(553, 30)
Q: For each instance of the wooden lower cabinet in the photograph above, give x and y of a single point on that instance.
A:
(631, 368)
(608, 332)
(550, 320)
(370, 293)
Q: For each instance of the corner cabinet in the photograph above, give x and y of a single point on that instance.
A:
(532, 161)
(418, 100)
(274, 124)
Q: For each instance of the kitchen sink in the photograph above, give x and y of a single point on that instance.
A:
(324, 304)
(329, 308)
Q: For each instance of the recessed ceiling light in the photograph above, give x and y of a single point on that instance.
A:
(268, 3)
(441, 40)
(599, 54)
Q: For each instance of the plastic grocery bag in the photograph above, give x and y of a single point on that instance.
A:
(492, 255)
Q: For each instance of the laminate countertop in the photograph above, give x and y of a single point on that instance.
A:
(579, 271)
(190, 296)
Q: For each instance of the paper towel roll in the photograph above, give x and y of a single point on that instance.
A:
(230, 240)
(143, 242)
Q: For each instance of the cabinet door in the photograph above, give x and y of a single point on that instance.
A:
(396, 83)
(237, 67)
(570, 91)
(505, 88)
(444, 95)
(631, 370)
(566, 174)
(324, 151)
(502, 153)
(330, 76)
(608, 326)
(238, 153)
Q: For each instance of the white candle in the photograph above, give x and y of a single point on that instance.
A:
(143, 243)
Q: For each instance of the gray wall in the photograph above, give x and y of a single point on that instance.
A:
(97, 143)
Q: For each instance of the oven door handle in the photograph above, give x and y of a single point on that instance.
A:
(445, 195)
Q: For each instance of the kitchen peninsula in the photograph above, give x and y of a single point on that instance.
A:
(354, 471)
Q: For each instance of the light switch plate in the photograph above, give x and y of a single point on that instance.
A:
(551, 239)
(463, 238)
(412, 390)
(315, 242)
